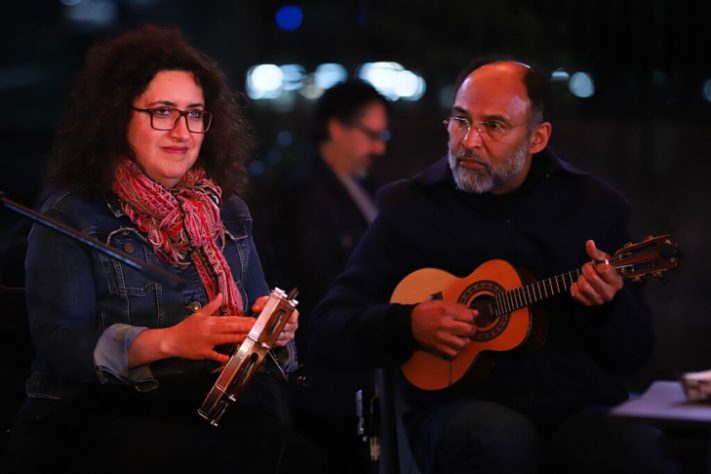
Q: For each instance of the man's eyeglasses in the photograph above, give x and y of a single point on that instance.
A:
(488, 129)
(374, 135)
(166, 118)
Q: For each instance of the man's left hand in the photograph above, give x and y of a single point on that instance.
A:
(599, 282)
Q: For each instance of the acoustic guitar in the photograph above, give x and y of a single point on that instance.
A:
(497, 291)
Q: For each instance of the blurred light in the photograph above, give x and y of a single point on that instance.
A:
(392, 80)
(93, 13)
(707, 90)
(292, 76)
(581, 85)
(278, 83)
(560, 75)
(329, 74)
(312, 91)
(255, 168)
(264, 81)
(410, 86)
(284, 138)
(382, 75)
(289, 17)
(70, 3)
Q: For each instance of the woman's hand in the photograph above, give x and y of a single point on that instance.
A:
(287, 334)
(289, 331)
(193, 338)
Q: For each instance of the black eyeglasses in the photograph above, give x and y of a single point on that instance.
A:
(166, 118)
(374, 135)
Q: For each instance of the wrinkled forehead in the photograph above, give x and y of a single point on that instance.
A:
(495, 89)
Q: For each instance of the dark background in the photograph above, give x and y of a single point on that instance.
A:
(647, 129)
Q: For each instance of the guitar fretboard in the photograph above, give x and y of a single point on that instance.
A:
(534, 292)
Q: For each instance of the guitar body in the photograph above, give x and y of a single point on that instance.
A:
(498, 292)
(495, 332)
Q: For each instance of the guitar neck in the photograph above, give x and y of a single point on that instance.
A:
(534, 292)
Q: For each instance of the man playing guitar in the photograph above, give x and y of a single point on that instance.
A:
(502, 196)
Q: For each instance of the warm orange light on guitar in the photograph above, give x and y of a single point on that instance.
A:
(497, 291)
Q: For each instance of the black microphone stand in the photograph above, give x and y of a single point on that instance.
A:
(147, 269)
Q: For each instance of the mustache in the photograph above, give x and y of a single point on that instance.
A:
(469, 155)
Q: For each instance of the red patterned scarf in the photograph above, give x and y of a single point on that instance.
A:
(182, 224)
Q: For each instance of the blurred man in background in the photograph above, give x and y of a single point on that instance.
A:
(327, 206)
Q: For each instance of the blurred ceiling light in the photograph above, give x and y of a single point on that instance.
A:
(560, 75)
(272, 82)
(383, 76)
(91, 13)
(289, 17)
(312, 91)
(581, 85)
(264, 81)
(392, 80)
(409, 86)
(329, 74)
(292, 76)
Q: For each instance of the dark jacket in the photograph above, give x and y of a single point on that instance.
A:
(317, 225)
(541, 227)
(74, 295)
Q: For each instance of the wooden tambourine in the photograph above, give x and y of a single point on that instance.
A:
(243, 364)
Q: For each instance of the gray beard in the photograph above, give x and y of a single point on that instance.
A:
(495, 175)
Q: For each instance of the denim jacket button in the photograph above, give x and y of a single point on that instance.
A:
(194, 307)
(128, 248)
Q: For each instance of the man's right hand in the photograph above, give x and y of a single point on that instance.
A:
(442, 327)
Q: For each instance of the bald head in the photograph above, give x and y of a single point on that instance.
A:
(536, 80)
(500, 86)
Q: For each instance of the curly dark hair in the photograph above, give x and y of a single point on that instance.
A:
(93, 136)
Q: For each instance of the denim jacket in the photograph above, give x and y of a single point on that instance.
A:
(85, 308)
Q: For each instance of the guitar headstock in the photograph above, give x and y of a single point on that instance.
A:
(653, 256)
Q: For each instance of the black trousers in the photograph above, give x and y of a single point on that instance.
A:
(125, 431)
(473, 436)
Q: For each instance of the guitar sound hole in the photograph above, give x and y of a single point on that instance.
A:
(487, 316)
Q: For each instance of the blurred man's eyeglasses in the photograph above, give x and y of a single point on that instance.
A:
(460, 126)
(166, 118)
(374, 135)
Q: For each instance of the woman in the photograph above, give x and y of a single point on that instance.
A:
(149, 160)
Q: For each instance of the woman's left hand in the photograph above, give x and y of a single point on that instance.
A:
(289, 331)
